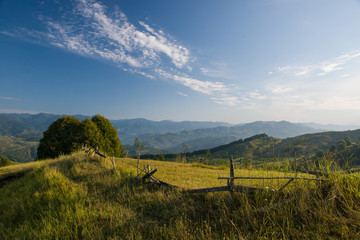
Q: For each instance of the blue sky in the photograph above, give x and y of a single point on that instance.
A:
(233, 61)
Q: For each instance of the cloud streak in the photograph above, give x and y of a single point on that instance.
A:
(204, 87)
(320, 69)
(9, 98)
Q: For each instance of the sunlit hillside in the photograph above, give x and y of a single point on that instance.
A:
(82, 197)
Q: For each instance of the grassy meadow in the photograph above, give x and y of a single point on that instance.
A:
(81, 197)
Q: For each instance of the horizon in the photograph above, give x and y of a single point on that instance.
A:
(235, 62)
(354, 126)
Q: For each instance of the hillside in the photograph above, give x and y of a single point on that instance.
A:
(323, 141)
(81, 197)
(17, 149)
(265, 148)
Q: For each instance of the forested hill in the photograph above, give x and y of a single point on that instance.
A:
(344, 147)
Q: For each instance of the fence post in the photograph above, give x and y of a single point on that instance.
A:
(231, 171)
(231, 181)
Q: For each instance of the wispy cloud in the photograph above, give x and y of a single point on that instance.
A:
(226, 100)
(256, 95)
(9, 98)
(319, 69)
(114, 38)
(205, 87)
(182, 94)
(218, 70)
(92, 30)
(17, 111)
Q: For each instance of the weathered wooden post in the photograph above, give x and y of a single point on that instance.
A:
(231, 180)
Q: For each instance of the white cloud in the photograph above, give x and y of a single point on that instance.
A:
(320, 69)
(226, 100)
(94, 32)
(256, 95)
(9, 98)
(204, 87)
(182, 94)
(17, 111)
(316, 93)
(277, 89)
(218, 70)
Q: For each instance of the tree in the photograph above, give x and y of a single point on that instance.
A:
(111, 143)
(341, 145)
(91, 134)
(348, 141)
(66, 135)
(62, 137)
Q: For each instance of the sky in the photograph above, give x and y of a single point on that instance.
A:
(204, 60)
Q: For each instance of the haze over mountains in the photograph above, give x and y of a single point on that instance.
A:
(166, 136)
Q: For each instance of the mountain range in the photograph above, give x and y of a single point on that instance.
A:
(164, 136)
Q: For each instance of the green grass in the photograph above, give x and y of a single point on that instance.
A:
(80, 197)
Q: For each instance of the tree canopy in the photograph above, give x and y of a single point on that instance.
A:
(67, 134)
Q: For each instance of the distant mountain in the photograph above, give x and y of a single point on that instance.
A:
(28, 126)
(129, 129)
(332, 127)
(169, 136)
(33, 125)
(211, 137)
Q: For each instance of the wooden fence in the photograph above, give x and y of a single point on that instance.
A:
(230, 187)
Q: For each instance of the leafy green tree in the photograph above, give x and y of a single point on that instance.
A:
(91, 134)
(111, 143)
(62, 137)
(348, 141)
(66, 135)
(341, 145)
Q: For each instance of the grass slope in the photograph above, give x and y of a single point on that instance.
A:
(80, 197)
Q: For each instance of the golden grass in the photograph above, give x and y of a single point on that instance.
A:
(80, 197)
(193, 176)
(185, 175)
